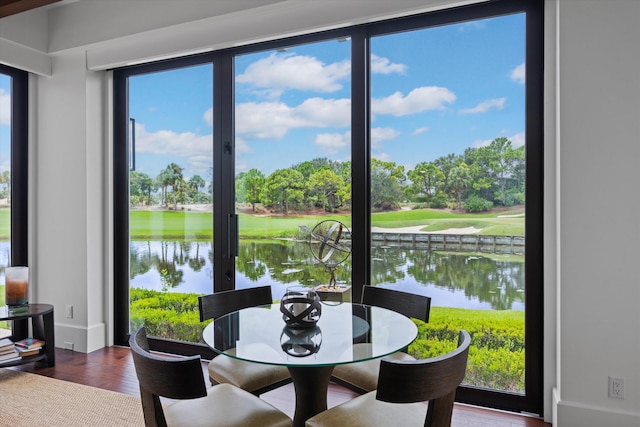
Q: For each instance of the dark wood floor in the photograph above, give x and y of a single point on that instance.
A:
(111, 368)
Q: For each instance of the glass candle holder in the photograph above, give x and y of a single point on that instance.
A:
(16, 286)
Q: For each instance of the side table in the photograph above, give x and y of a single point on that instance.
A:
(41, 317)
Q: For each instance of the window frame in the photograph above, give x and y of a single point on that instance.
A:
(532, 400)
(19, 164)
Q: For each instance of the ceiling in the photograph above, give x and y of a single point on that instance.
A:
(11, 7)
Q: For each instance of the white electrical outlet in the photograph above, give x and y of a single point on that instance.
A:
(69, 312)
(616, 388)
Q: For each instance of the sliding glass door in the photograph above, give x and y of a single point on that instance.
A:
(13, 170)
(5, 174)
(448, 183)
(170, 198)
(421, 136)
(455, 170)
(292, 160)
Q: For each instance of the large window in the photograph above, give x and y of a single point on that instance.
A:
(225, 161)
(448, 176)
(293, 159)
(13, 169)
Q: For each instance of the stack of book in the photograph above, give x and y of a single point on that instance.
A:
(8, 351)
(29, 346)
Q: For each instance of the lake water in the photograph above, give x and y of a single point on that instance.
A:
(473, 281)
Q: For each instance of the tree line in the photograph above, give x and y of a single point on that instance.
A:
(478, 179)
(5, 185)
(168, 188)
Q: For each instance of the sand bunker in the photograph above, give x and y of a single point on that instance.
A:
(418, 230)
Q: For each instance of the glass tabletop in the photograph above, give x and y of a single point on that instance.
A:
(345, 333)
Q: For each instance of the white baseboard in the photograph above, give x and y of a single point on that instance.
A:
(80, 338)
(575, 414)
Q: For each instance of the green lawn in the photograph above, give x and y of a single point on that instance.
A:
(5, 224)
(171, 224)
(198, 225)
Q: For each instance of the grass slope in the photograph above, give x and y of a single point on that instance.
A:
(199, 225)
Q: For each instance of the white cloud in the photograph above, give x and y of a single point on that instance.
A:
(275, 119)
(380, 65)
(420, 131)
(242, 166)
(5, 108)
(518, 74)
(383, 157)
(484, 106)
(242, 147)
(195, 149)
(517, 140)
(265, 120)
(379, 135)
(331, 143)
(418, 100)
(208, 116)
(200, 165)
(301, 72)
(481, 143)
(472, 26)
(325, 112)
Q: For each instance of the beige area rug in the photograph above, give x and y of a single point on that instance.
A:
(34, 400)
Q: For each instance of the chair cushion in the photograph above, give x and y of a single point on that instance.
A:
(246, 375)
(225, 406)
(366, 411)
(365, 374)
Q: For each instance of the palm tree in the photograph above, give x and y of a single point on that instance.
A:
(195, 184)
(173, 174)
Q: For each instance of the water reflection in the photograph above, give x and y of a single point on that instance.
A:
(474, 281)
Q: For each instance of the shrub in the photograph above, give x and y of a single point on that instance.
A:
(421, 199)
(496, 355)
(388, 206)
(439, 200)
(513, 197)
(476, 203)
(166, 315)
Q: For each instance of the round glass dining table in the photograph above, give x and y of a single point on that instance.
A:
(345, 333)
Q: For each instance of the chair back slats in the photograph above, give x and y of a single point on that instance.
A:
(434, 379)
(411, 305)
(220, 303)
(172, 377)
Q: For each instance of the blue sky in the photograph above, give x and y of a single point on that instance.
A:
(434, 92)
(5, 117)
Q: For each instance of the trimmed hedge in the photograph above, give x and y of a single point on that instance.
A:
(496, 355)
(166, 315)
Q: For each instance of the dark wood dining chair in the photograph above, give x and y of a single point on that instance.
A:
(256, 378)
(181, 378)
(362, 377)
(403, 386)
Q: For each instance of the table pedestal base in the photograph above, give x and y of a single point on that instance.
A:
(311, 385)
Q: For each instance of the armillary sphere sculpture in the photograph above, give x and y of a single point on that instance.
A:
(330, 244)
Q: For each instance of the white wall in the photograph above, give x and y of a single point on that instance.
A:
(592, 121)
(68, 246)
(599, 221)
(24, 42)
